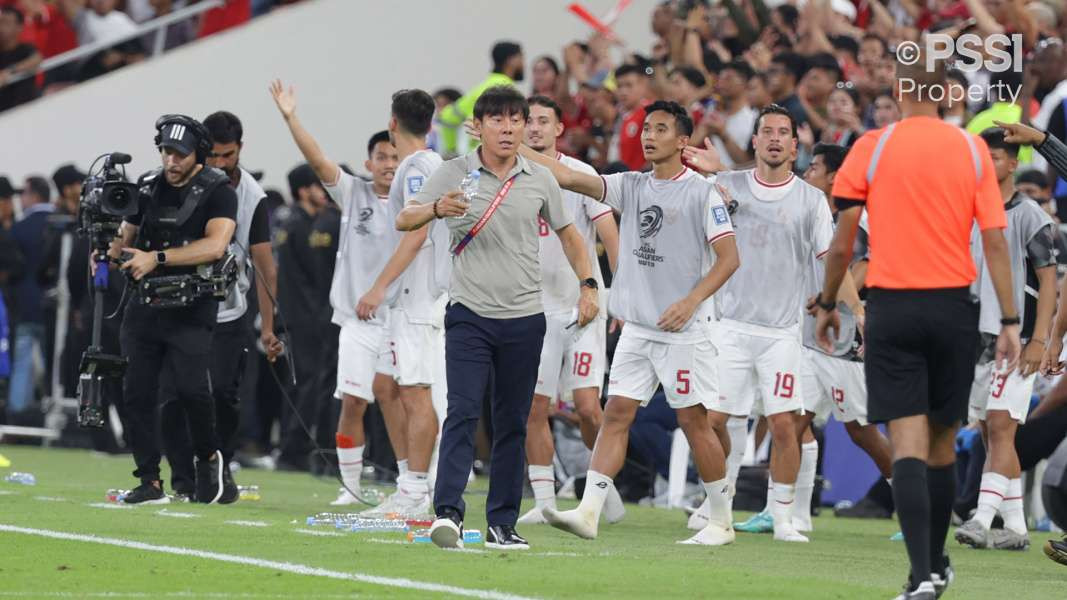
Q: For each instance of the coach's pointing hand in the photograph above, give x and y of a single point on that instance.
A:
(1017, 133)
(678, 314)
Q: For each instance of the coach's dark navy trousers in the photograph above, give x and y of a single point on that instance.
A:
(497, 358)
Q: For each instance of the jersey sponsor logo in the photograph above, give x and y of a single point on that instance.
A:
(651, 219)
(414, 184)
(365, 214)
(631, 130)
(719, 214)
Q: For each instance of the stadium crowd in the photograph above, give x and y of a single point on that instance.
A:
(829, 63)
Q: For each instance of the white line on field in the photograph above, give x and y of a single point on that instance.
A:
(6, 493)
(155, 595)
(319, 533)
(49, 499)
(381, 541)
(110, 505)
(396, 582)
(180, 515)
(249, 523)
(554, 554)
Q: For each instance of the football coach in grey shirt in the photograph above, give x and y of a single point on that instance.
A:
(494, 323)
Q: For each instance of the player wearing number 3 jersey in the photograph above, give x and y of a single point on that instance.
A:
(676, 249)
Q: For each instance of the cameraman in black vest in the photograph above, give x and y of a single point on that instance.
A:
(186, 218)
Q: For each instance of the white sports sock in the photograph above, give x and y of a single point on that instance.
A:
(350, 462)
(401, 468)
(991, 494)
(1012, 507)
(597, 486)
(719, 502)
(415, 484)
(809, 458)
(784, 496)
(543, 482)
(770, 494)
(737, 428)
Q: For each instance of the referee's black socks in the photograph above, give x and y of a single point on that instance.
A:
(941, 481)
(911, 494)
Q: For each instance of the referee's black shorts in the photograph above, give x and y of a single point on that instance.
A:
(920, 353)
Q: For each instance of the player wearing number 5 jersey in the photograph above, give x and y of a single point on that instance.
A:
(572, 359)
(676, 249)
(1000, 400)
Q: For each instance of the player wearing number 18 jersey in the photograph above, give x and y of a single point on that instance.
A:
(572, 359)
(676, 250)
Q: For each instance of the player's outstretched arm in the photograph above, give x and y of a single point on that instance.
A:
(285, 99)
(727, 260)
(568, 178)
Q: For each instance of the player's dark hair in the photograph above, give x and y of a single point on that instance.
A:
(11, 10)
(793, 64)
(547, 102)
(994, 138)
(741, 67)
(502, 51)
(381, 136)
(692, 75)
(1033, 176)
(224, 127)
(413, 110)
(629, 69)
(501, 100)
(832, 155)
(775, 109)
(683, 124)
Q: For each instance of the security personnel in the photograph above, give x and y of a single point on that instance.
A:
(324, 242)
(301, 307)
(186, 218)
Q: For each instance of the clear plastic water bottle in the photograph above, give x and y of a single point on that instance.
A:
(248, 492)
(332, 519)
(469, 186)
(21, 478)
(372, 496)
(116, 495)
(379, 525)
(472, 536)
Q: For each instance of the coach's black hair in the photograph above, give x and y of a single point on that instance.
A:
(381, 136)
(683, 123)
(413, 110)
(692, 75)
(224, 127)
(547, 102)
(994, 138)
(502, 51)
(832, 155)
(501, 100)
(775, 109)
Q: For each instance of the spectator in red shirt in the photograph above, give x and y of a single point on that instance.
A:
(633, 91)
(16, 58)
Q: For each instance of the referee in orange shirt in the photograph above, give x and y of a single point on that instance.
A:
(924, 184)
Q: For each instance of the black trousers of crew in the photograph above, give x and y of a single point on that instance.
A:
(229, 357)
(154, 343)
(477, 351)
(307, 351)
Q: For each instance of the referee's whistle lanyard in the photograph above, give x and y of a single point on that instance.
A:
(495, 204)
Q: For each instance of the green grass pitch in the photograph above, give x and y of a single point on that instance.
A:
(846, 559)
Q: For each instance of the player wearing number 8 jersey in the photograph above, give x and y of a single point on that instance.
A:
(1000, 400)
(676, 249)
(572, 359)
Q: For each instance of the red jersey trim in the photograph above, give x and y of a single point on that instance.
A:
(772, 185)
(720, 236)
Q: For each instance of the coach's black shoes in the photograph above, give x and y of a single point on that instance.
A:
(209, 478)
(923, 591)
(146, 493)
(230, 493)
(504, 537)
(447, 531)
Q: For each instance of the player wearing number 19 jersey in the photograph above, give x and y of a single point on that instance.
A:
(572, 360)
(676, 249)
(782, 224)
(1000, 401)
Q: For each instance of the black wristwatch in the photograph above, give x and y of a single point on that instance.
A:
(1011, 321)
(590, 283)
(161, 257)
(827, 306)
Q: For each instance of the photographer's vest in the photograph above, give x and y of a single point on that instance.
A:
(248, 196)
(161, 227)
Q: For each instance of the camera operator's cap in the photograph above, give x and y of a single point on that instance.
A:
(6, 189)
(66, 175)
(178, 136)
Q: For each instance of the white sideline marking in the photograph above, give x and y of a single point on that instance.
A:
(554, 554)
(111, 505)
(6, 493)
(156, 595)
(381, 541)
(169, 513)
(49, 499)
(249, 523)
(319, 533)
(396, 582)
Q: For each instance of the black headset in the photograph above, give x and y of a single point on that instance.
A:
(203, 136)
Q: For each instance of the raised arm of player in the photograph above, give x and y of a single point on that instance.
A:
(325, 169)
(568, 178)
(727, 260)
